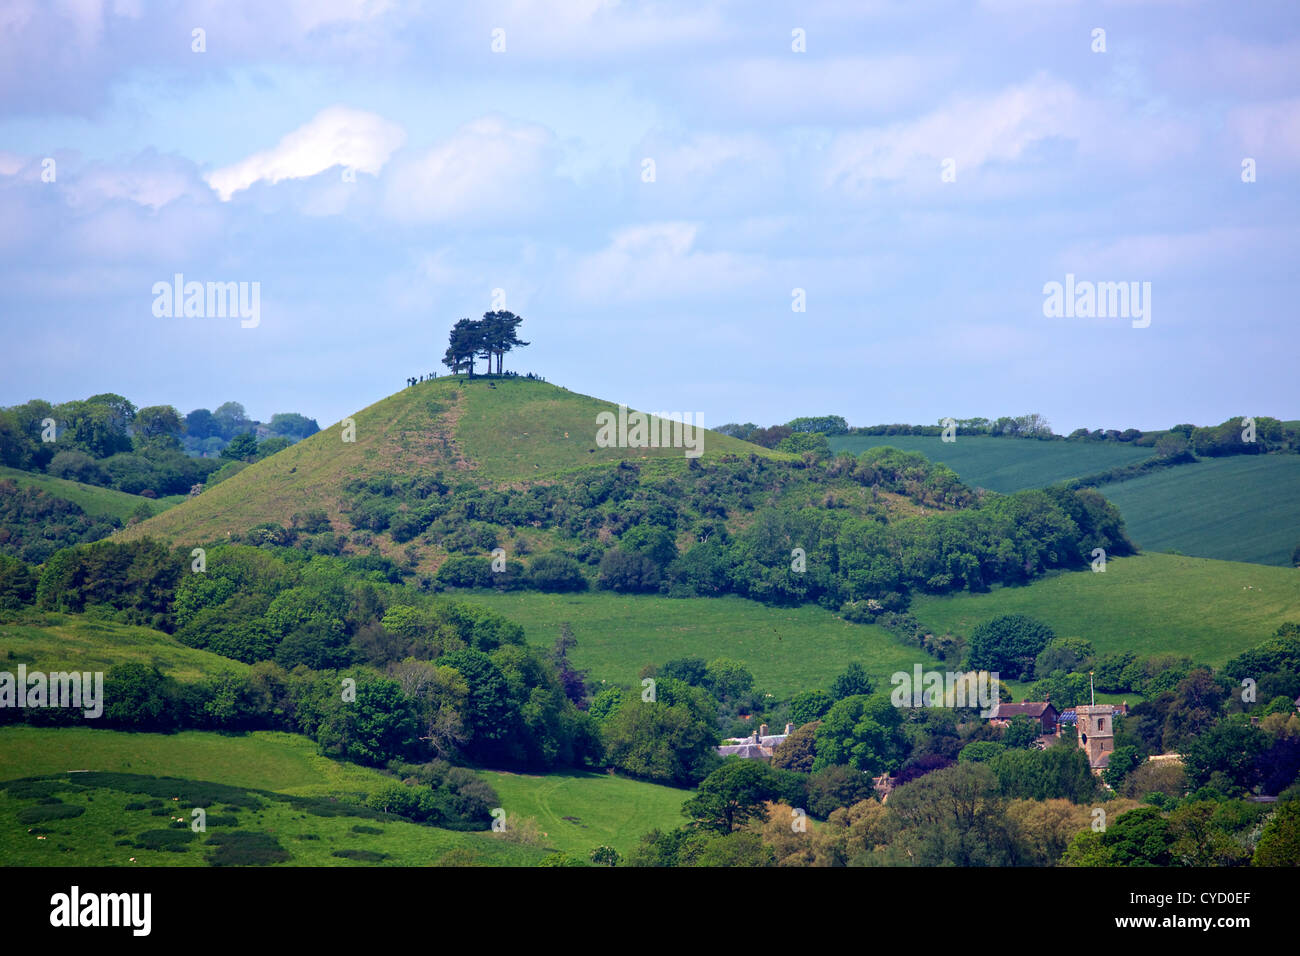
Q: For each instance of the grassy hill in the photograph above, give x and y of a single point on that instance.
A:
(1243, 508)
(55, 642)
(581, 811)
(92, 499)
(576, 811)
(495, 431)
(1005, 464)
(1208, 610)
(786, 649)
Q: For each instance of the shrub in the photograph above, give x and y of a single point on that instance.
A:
(43, 814)
(171, 840)
(245, 848)
(364, 856)
(556, 573)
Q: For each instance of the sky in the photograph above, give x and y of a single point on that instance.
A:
(747, 210)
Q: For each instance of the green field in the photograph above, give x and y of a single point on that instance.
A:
(607, 809)
(580, 811)
(92, 499)
(1243, 508)
(264, 760)
(1207, 610)
(1005, 464)
(118, 812)
(787, 649)
(74, 642)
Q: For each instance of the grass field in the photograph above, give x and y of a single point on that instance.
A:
(118, 820)
(523, 429)
(581, 811)
(787, 649)
(1243, 508)
(74, 642)
(92, 499)
(604, 809)
(1208, 610)
(264, 760)
(1005, 464)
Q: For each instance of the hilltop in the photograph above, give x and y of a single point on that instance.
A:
(491, 432)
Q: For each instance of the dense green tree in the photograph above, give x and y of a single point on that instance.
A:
(660, 741)
(731, 796)
(242, 447)
(862, 732)
(852, 682)
(1008, 645)
(1227, 755)
(17, 583)
(377, 726)
(810, 705)
(1279, 844)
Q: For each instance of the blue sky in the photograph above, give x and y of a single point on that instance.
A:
(775, 170)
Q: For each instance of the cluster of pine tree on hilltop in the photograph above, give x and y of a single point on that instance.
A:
(490, 337)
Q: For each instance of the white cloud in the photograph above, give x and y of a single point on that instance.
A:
(337, 136)
(487, 169)
(659, 261)
(973, 132)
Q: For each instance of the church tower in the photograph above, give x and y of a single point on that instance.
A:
(1096, 726)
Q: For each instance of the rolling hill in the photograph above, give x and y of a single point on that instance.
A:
(1005, 464)
(92, 499)
(495, 432)
(1242, 508)
(788, 650)
(1207, 610)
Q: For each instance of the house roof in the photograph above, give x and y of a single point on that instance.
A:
(1028, 708)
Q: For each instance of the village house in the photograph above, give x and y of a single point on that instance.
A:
(1041, 711)
(758, 745)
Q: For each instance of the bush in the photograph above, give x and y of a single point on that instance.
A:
(42, 814)
(77, 466)
(171, 839)
(628, 573)
(246, 848)
(556, 573)
(364, 856)
(465, 572)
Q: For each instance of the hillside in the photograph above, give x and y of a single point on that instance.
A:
(55, 642)
(1005, 464)
(92, 499)
(574, 811)
(1208, 610)
(1242, 508)
(788, 650)
(491, 431)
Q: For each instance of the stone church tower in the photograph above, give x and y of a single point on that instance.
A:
(1096, 727)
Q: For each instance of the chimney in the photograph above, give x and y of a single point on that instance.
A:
(753, 738)
(789, 729)
(1123, 708)
(762, 730)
